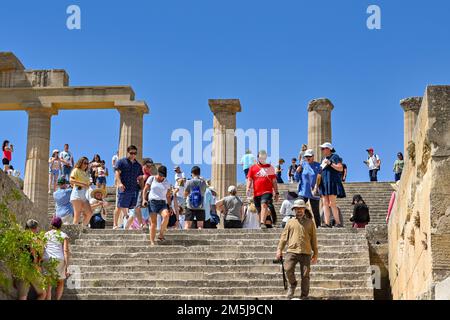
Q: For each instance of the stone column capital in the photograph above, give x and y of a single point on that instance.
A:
(321, 104)
(224, 105)
(132, 106)
(36, 108)
(411, 104)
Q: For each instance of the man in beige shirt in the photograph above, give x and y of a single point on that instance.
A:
(300, 237)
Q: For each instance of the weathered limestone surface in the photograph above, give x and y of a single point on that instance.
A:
(411, 107)
(419, 228)
(23, 208)
(377, 236)
(319, 123)
(224, 150)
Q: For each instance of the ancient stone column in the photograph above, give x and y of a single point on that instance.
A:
(411, 107)
(224, 152)
(36, 166)
(131, 130)
(319, 124)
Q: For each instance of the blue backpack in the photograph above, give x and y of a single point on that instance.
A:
(195, 198)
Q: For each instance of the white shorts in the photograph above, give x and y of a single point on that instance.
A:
(78, 194)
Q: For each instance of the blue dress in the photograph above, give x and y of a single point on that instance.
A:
(331, 183)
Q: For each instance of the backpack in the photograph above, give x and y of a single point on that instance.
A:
(196, 198)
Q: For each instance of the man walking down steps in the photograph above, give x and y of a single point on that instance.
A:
(301, 239)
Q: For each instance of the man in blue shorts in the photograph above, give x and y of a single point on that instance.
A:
(128, 178)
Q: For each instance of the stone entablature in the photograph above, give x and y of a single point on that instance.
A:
(42, 93)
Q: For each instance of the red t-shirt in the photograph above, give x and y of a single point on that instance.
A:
(7, 154)
(262, 176)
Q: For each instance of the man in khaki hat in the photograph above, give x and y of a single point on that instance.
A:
(300, 237)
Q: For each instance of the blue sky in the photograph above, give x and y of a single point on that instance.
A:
(275, 56)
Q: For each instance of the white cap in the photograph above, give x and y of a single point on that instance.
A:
(231, 189)
(327, 145)
(309, 153)
(54, 151)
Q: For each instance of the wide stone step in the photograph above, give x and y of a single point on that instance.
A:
(205, 255)
(215, 239)
(214, 286)
(140, 297)
(207, 244)
(211, 249)
(201, 270)
(275, 274)
(233, 232)
(214, 292)
(144, 262)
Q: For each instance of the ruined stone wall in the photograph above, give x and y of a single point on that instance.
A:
(419, 227)
(23, 208)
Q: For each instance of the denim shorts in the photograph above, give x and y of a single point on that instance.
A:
(54, 172)
(127, 200)
(101, 180)
(78, 194)
(157, 206)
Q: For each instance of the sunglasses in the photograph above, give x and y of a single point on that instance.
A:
(133, 153)
(86, 163)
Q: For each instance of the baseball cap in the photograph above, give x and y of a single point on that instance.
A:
(231, 189)
(370, 149)
(326, 145)
(309, 153)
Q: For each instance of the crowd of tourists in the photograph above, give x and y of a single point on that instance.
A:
(145, 199)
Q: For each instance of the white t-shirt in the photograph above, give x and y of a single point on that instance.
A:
(55, 244)
(373, 160)
(158, 190)
(180, 188)
(101, 172)
(115, 158)
(286, 208)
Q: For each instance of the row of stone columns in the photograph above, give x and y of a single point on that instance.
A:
(319, 131)
(224, 153)
(38, 145)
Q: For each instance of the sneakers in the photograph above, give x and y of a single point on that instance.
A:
(290, 293)
(327, 226)
(262, 226)
(339, 226)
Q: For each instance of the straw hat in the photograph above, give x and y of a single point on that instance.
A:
(95, 191)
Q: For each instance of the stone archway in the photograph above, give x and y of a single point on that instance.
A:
(42, 93)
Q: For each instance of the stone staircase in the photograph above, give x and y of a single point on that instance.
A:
(213, 264)
(223, 264)
(375, 194)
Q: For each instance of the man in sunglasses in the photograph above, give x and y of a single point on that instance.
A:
(128, 180)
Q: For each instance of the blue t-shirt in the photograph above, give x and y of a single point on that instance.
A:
(308, 179)
(129, 173)
(207, 202)
(248, 160)
(63, 206)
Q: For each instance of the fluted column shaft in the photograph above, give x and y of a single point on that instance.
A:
(131, 131)
(411, 108)
(319, 124)
(36, 166)
(224, 149)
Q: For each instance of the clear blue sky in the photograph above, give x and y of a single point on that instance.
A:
(274, 56)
